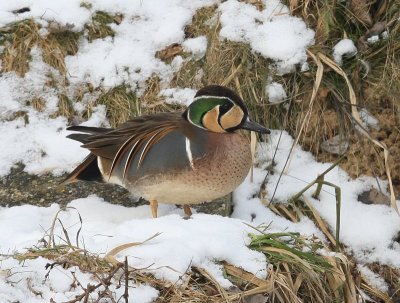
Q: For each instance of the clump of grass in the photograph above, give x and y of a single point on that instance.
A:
(37, 103)
(150, 100)
(121, 103)
(304, 275)
(290, 248)
(65, 107)
(21, 36)
(190, 74)
(99, 27)
(66, 40)
(200, 25)
(86, 5)
(345, 283)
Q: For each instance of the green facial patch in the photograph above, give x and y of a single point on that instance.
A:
(201, 106)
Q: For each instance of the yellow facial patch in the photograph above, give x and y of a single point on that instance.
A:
(210, 121)
(232, 118)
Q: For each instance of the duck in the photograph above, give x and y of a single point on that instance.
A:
(185, 158)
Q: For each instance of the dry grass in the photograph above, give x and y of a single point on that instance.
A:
(65, 107)
(121, 103)
(349, 282)
(311, 116)
(201, 22)
(151, 102)
(99, 27)
(38, 104)
(22, 36)
(374, 74)
(66, 40)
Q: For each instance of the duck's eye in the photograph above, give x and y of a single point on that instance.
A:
(223, 108)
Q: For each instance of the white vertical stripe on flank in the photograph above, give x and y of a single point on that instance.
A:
(189, 153)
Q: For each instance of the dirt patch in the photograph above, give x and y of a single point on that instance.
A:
(19, 188)
(365, 158)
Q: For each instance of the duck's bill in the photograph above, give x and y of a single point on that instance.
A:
(255, 127)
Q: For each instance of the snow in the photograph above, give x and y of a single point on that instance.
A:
(147, 27)
(368, 119)
(200, 241)
(373, 279)
(344, 47)
(275, 91)
(36, 138)
(183, 96)
(368, 231)
(373, 39)
(58, 286)
(271, 32)
(197, 46)
(64, 11)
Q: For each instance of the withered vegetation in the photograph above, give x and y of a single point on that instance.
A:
(322, 103)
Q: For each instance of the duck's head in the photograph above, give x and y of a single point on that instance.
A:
(219, 109)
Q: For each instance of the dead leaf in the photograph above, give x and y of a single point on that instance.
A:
(169, 52)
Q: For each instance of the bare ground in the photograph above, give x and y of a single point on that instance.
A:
(19, 188)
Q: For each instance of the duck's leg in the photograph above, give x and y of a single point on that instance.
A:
(154, 207)
(187, 210)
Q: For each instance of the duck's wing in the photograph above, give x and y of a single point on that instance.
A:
(129, 142)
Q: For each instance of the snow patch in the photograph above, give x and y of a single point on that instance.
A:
(373, 39)
(373, 279)
(344, 47)
(57, 287)
(68, 13)
(200, 241)
(368, 119)
(129, 57)
(276, 93)
(367, 230)
(183, 96)
(271, 32)
(197, 46)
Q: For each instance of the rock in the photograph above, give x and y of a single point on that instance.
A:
(373, 196)
(336, 145)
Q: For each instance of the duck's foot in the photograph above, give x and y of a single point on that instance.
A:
(187, 211)
(154, 207)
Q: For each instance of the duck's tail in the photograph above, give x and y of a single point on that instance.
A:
(88, 170)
